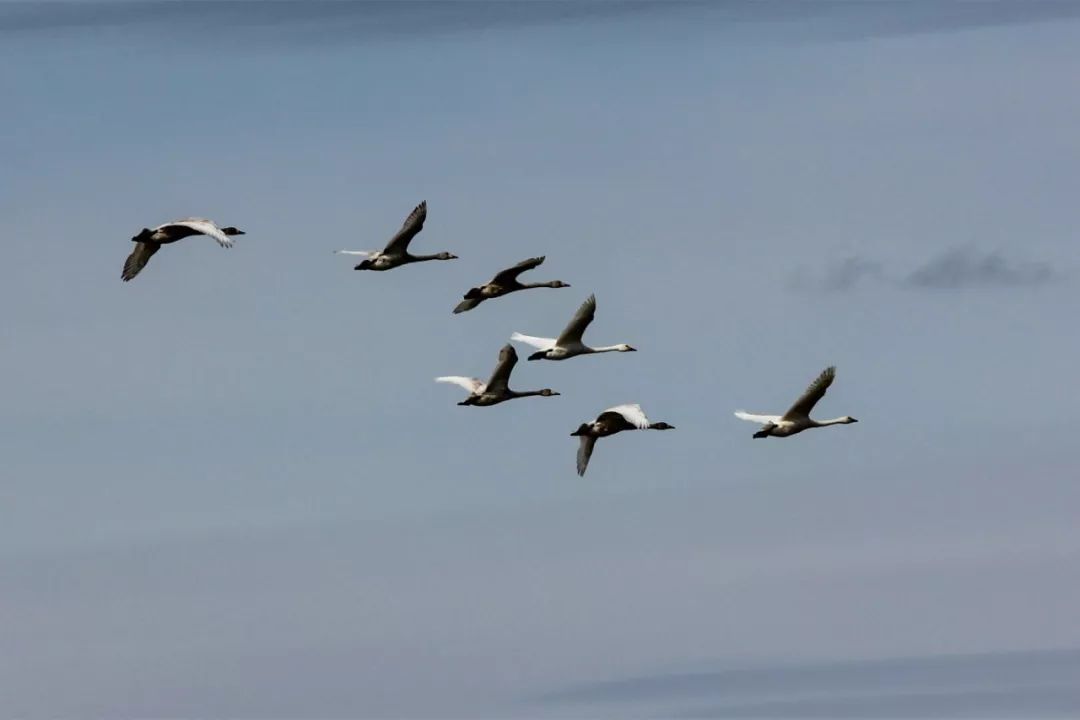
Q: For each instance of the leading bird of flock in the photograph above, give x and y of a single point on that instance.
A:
(611, 421)
(396, 252)
(150, 240)
(797, 418)
(496, 389)
(569, 343)
(505, 283)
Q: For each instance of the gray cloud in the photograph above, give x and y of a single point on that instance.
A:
(324, 19)
(842, 276)
(993, 684)
(968, 267)
(1054, 701)
(956, 268)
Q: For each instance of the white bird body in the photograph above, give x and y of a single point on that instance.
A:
(150, 240)
(569, 344)
(797, 418)
(497, 388)
(611, 421)
(396, 252)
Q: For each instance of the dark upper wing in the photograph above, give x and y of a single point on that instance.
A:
(815, 392)
(467, 304)
(413, 224)
(584, 453)
(576, 328)
(509, 276)
(138, 258)
(500, 378)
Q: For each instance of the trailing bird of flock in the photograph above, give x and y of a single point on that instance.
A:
(497, 390)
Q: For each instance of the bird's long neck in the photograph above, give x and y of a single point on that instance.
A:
(607, 348)
(524, 393)
(834, 421)
(529, 286)
(423, 258)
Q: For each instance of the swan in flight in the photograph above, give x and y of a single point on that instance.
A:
(396, 251)
(569, 343)
(496, 389)
(150, 240)
(505, 283)
(609, 422)
(797, 418)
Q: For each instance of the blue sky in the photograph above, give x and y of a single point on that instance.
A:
(231, 488)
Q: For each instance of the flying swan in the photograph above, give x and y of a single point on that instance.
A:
(150, 240)
(496, 389)
(505, 283)
(609, 422)
(396, 251)
(569, 343)
(797, 418)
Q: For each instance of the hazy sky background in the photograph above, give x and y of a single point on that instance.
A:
(230, 487)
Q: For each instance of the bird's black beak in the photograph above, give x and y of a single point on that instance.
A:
(575, 433)
(631, 349)
(537, 355)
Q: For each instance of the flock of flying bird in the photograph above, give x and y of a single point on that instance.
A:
(568, 344)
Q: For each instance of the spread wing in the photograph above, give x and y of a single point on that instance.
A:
(138, 258)
(809, 399)
(633, 414)
(584, 453)
(762, 419)
(399, 244)
(362, 253)
(576, 328)
(509, 276)
(467, 304)
(473, 385)
(537, 342)
(500, 378)
(205, 227)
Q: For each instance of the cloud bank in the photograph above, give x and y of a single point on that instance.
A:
(1036, 683)
(959, 268)
(969, 268)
